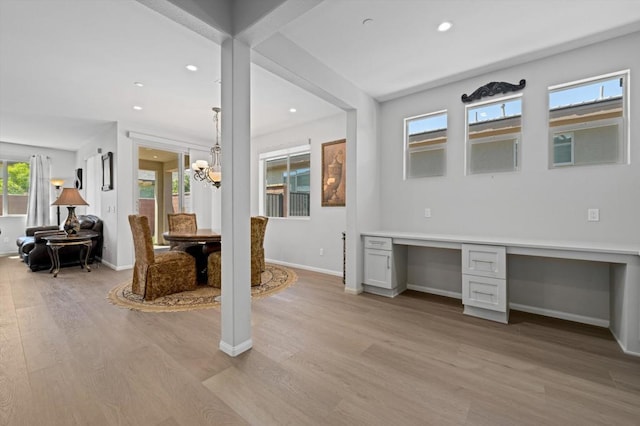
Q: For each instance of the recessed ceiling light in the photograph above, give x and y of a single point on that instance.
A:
(137, 107)
(155, 156)
(445, 26)
(191, 67)
(292, 110)
(137, 83)
(367, 21)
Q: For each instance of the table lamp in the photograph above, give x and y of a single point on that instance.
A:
(71, 198)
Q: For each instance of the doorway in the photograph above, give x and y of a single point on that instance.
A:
(164, 186)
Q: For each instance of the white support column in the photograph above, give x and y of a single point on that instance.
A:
(354, 251)
(236, 155)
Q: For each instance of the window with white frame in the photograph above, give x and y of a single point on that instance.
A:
(425, 138)
(494, 132)
(286, 182)
(14, 186)
(587, 121)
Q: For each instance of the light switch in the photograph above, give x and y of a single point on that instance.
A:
(427, 212)
(593, 215)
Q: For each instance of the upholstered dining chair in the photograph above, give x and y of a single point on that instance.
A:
(214, 264)
(264, 221)
(156, 275)
(181, 222)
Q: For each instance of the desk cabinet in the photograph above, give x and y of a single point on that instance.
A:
(384, 267)
(484, 282)
(485, 275)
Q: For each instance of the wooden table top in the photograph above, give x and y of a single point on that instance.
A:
(201, 235)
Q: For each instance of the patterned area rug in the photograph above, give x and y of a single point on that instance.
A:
(275, 278)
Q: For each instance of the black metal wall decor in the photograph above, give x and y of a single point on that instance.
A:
(77, 180)
(493, 88)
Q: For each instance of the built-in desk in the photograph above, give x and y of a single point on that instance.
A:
(385, 264)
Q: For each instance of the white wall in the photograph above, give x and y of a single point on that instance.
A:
(298, 241)
(62, 166)
(535, 202)
(105, 140)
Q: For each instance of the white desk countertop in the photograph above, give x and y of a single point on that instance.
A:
(513, 243)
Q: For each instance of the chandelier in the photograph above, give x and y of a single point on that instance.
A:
(210, 172)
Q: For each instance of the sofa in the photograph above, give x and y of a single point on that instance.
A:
(32, 247)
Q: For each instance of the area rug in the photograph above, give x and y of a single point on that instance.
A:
(275, 278)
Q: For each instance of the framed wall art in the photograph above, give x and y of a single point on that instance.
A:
(334, 173)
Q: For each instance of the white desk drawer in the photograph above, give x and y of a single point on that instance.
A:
(484, 292)
(485, 261)
(379, 243)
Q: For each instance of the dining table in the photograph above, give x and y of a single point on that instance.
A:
(204, 240)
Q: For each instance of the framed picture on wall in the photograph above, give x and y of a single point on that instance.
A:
(107, 171)
(334, 173)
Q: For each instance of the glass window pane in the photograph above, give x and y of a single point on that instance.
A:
(597, 145)
(593, 112)
(495, 111)
(17, 187)
(563, 148)
(424, 133)
(495, 156)
(426, 163)
(300, 184)
(186, 180)
(493, 131)
(275, 188)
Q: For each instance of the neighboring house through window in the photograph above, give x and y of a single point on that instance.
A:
(285, 182)
(14, 185)
(494, 131)
(587, 121)
(425, 145)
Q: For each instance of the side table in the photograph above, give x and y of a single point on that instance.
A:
(56, 242)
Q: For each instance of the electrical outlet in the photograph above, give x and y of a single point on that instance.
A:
(593, 215)
(427, 212)
(321, 252)
(6, 239)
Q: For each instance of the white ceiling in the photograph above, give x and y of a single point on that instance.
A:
(67, 67)
(401, 50)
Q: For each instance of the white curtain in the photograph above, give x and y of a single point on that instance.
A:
(38, 207)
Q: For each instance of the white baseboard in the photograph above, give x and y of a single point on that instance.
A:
(355, 292)
(116, 268)
(305, 267)
(524, 308)
(560, 315)
(235, 350)
(436, 291)
(9, 253)
(623, 347)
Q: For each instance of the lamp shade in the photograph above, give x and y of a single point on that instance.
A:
(70, 197)
(57, 182)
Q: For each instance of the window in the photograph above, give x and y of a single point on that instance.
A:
(493, 135)
(286, 182)
(586, 121)
(425, 145)
(14, 185)
(186, 187)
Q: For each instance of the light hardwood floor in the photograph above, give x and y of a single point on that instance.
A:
(320, 357)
